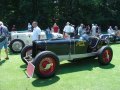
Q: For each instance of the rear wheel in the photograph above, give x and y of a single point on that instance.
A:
(26, 52)
(105, 56)
(46, 64)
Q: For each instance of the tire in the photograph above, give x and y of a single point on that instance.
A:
(16, 45)
(46, 64)
(27, 50)
(105, 55)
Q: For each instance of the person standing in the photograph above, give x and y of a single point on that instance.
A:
(14, 28)
(67, 30)
(29, 27)
(93, 29)
(48, 33)
(111, 32)
(116, 28)
(81, 30)
(55, 28)
(72, 31)
(88, 31)
(36, 31)
(3, 39)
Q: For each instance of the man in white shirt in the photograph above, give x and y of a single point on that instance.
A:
(36, 31)
(67, 30)
(93, 30)
(111, 31)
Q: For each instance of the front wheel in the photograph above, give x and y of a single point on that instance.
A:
(46, 64)
(105, 55)
(25, 53)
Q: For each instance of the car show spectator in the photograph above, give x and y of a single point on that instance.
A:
(36, 31)
(76, 31)
(72, 31)
(81, 30)
(93, 30)
(88, 31)
(111, 32)
(48, 33)
(82, 33)
(3, 39)
(67, 30)
(29, 27)
(55, 28)
(116, 28)
(13, 28)
(98, 30)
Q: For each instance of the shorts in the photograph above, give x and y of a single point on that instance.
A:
(3, 44)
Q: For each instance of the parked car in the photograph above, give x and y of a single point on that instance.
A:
(19, 39)
(46, 55)
(110, 38)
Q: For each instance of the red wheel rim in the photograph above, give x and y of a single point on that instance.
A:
(107, 55)
(47, 65)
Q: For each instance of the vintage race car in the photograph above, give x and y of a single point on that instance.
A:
(46, 55)
(111, 38)
(19, 39)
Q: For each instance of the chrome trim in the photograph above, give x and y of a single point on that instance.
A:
(74, 56)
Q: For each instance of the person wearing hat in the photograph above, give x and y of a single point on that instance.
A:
(81, 30)
(3, 39)
(67, 30)
(93, 30)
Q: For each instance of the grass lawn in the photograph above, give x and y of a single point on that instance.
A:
(85, 75)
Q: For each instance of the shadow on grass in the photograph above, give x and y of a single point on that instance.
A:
(11, 53)
(23, 66)
(107, 66)
(79, 65)
(2, 62)
(45, 82)
(82, 65)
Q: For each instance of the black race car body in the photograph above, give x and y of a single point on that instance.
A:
(45, 55)
(68, 49)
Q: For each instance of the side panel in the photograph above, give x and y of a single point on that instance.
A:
(59, 48)
(81, 47)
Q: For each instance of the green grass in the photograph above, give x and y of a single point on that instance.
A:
(84, 75)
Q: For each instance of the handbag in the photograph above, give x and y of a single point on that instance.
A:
(2, 37)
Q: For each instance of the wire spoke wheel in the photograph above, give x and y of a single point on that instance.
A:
(47, 65)
(107, 56)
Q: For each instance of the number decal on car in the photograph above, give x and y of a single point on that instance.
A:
(80, 43)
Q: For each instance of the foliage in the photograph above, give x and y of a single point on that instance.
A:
(46, 12)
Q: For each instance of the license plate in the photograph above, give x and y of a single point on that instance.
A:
(30, 70)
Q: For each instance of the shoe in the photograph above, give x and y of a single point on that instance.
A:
(7, 58)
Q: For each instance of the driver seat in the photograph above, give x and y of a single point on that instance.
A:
(93, 42)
